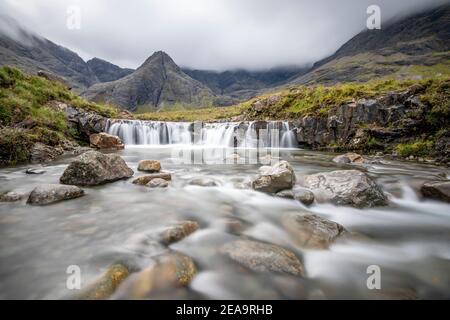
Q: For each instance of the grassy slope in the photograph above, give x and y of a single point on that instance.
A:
(26, 115)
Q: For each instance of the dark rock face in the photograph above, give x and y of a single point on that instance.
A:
(262, 257)
(94, 168)
(41, 153)
(311, 231)
(158, 82)
(439, 190)
(346, 187)
(106, 71)
(51, 193)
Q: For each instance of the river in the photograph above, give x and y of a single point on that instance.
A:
(409, 239)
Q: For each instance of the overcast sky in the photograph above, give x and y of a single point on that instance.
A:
(205, 34)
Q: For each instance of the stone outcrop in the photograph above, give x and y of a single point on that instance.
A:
(273, 179)
(346, 187)
(51, 193)
(104, 141)
(150, 166)
(94, 168)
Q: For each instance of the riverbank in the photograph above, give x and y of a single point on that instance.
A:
(42, 120)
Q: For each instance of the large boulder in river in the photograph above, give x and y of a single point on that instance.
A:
(94, 168)
(311, 231)
(273, 179)
(50, 193)
(105, 141)
(263, 257)
(439, 190)
(346, 187)
(149, 166)
(349, 158)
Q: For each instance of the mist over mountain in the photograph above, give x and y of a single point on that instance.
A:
(22, 48)
(404, 48)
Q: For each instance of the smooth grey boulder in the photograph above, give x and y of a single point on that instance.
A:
(276, 178)
(95, 168)
(311, 231)
(203, 182)
(263, 257)
(346, 187)
(51, 193)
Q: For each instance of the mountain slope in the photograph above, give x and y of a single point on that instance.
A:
(106, 71)
(409, 48)
(23, 49)
(229, 82)
(157, 83)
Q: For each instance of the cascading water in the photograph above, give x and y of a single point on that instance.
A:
(226, 134)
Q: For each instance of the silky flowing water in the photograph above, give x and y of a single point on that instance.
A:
(409, 240)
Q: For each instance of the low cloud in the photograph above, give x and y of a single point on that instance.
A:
(206, 34)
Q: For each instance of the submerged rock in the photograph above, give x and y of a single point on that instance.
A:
(263, 257)
(34, 171)
(11, 196)
(105, 141)
(158, 183)
(149, 166)
(169, 271)
(311, 231)
(178, 231)
(94, 168)
(300, 194)
(346, 187)
(273, 179)
(105, 286)
(203, 182)
(439, 190)
(51, 193)
(144, 180)
(349, 157)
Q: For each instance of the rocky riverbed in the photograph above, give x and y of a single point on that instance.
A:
(302, 228)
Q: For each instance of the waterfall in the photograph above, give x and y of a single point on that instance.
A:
(221, 134)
